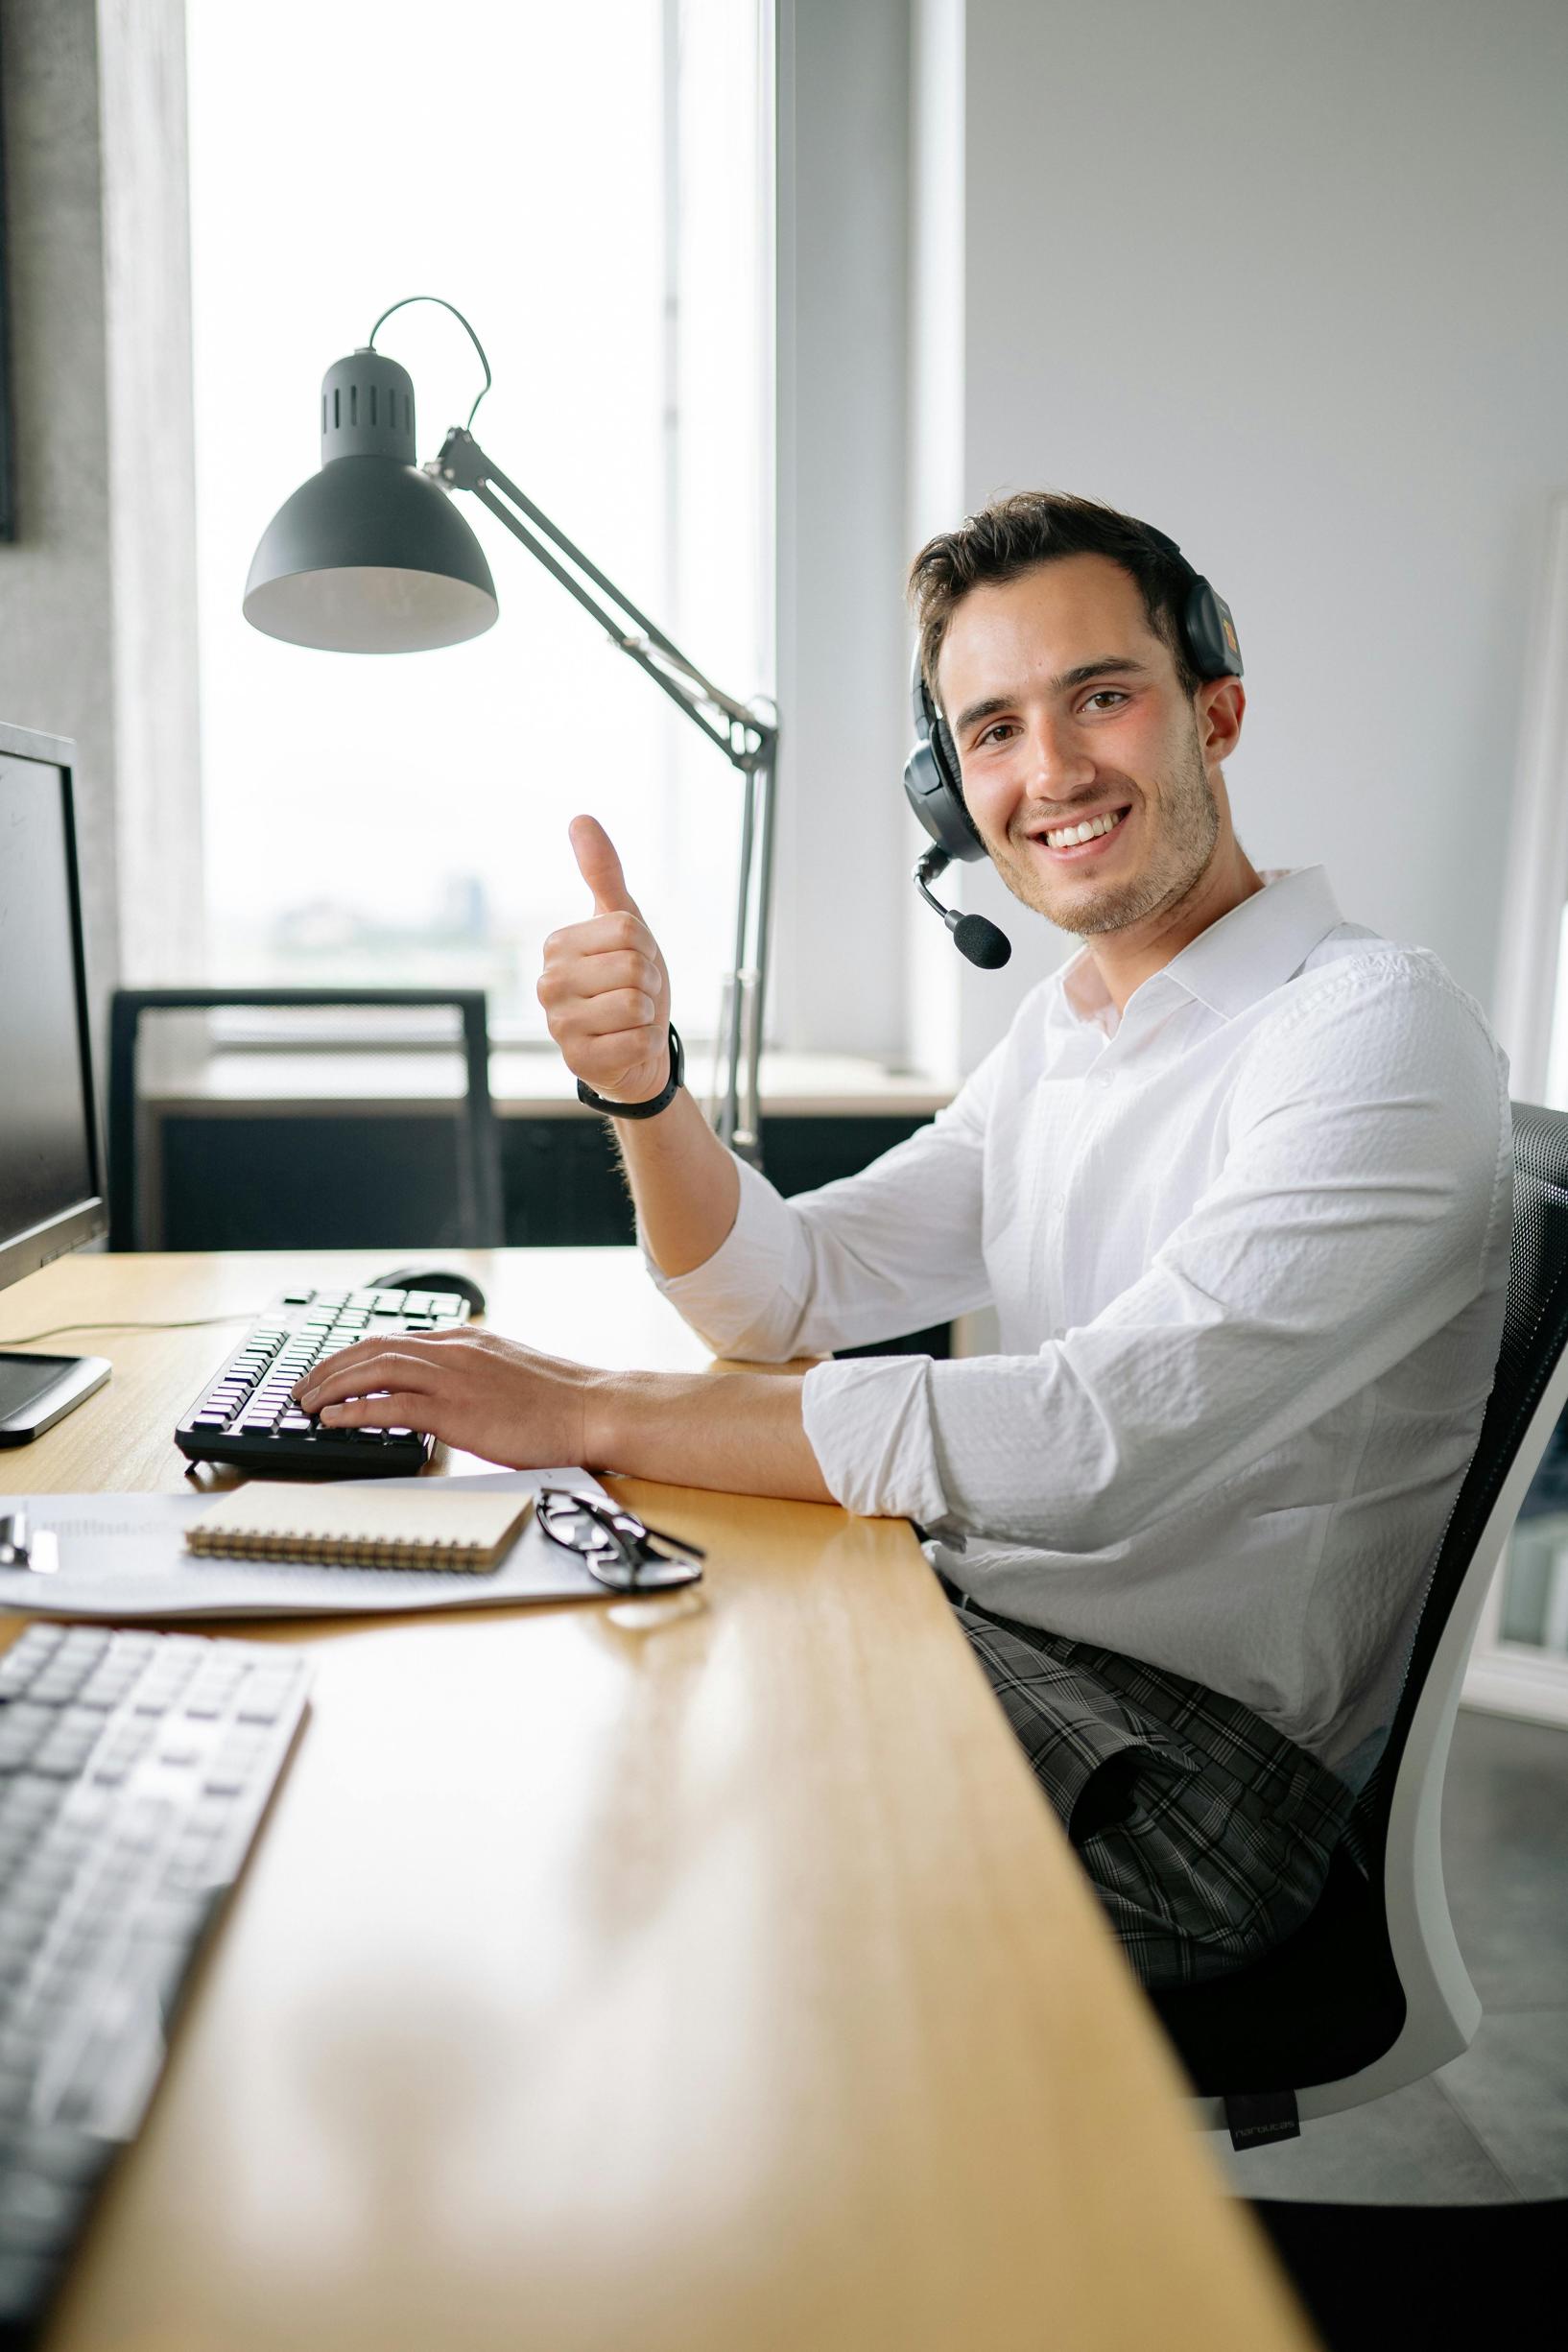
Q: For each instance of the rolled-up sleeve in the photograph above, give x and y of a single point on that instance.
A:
(888, 1250)
(746, 1299)
(1354, 1216)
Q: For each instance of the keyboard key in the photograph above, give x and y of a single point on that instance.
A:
(25, 2281)
(249, 1415)
(32, 2210)
(205, 1706)
(59, 2156)
(21, 1729)
(262, 1706)
(63, 1757)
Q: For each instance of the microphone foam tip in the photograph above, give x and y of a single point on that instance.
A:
(982, 942)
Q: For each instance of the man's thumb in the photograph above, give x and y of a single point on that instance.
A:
(600, 868)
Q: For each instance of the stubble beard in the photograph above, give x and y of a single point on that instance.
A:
(1189, 827)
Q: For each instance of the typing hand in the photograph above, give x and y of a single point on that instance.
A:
(470, 1389)
(604, 990)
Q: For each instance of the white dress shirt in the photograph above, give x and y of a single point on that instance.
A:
(1248, 1245)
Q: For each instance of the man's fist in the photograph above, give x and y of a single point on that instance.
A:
(604, 990)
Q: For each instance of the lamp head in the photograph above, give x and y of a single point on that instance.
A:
(369, 556)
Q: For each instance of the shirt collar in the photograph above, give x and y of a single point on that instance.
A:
(1249, 952)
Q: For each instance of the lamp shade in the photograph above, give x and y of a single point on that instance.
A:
(369, 556)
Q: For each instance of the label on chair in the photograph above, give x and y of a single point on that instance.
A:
(1257, 2117)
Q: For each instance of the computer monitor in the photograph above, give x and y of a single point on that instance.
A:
(51, 1170)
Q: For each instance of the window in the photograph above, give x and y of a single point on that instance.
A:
(592, 187)
(1520, 1663)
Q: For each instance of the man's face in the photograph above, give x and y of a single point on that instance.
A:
(1066, 711)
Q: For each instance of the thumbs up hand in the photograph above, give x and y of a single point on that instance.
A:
(604, 990)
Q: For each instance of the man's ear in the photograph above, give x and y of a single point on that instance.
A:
(1221, 706)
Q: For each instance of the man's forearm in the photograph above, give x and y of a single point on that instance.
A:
(686, 1185)
(740, 1433)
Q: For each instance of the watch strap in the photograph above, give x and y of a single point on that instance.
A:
(655, 1103)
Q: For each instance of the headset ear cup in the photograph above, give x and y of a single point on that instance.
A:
(948, 756)
(1212, 643)
(940, 809)
(932, 780)
(946, 753)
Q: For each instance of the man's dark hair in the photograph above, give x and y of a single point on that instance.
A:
(1014, 535)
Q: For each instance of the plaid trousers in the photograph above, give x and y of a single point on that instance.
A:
(1207, 1834)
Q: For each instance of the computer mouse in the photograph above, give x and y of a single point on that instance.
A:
(421, 1277)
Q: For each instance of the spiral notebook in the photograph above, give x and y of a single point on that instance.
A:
(416, 1526)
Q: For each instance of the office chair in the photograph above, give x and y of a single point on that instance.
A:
(1371, 1992)
(479, 1196)
(1369, 2277)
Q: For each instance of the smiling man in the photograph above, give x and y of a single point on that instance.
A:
(1238, 1185)
(1099, 794)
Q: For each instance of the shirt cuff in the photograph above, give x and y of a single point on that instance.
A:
(753, 1284)
(867, 1420)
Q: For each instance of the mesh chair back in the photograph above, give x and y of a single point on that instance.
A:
(1330, 2001)
(1535, 1332)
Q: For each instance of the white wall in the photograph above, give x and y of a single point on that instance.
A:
(1288, 282)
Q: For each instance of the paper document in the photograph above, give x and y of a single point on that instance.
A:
(124, 1556)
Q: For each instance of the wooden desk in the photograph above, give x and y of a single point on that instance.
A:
(705, 1976)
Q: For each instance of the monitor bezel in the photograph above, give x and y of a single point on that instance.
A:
(86, 1220)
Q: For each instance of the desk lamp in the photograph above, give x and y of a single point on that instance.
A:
(370, 556)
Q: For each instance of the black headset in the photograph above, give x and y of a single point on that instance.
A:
(933, 784)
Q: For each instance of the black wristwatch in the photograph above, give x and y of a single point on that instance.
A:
(655, 1103)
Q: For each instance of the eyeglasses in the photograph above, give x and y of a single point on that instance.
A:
(613, 1544)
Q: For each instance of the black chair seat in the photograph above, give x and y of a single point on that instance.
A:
(1321, 2005)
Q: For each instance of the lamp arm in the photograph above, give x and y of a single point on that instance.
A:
(748, 741)
(743, 737)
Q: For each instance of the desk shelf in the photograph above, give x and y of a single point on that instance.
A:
(221, 1161)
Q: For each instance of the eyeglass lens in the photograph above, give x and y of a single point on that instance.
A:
(615, 1545)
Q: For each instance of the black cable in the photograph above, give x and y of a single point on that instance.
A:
(462, 321)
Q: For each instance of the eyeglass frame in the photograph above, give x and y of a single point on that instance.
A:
(632, 1537)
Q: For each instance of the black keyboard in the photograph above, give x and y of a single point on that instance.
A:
(247, 1417)
(135, 1768)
